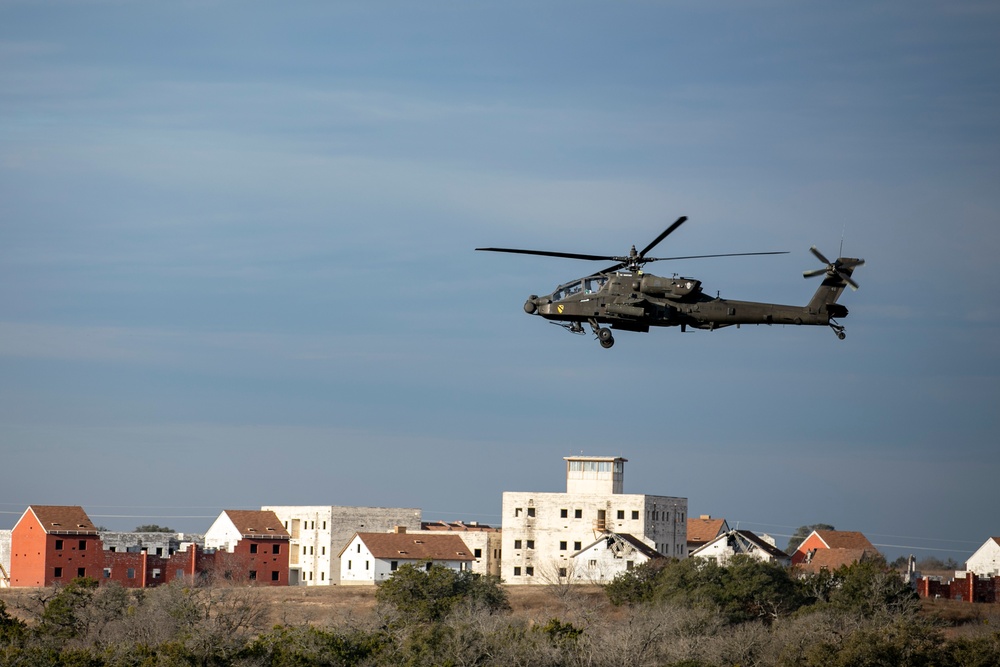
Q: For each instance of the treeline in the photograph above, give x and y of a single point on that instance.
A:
(690, 613)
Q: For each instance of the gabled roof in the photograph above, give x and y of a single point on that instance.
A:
(766, 547)
(407, 546)
(704, 529)
(745, 541)
(63, 519)
(626, 538)
(257, 523)
(845, 539)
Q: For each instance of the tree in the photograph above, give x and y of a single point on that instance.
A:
(63, 616)
(636, 586)
(152, 528)
(753, 589)
(427, 594)
(871, 588)
(11, 629)
(802, 532)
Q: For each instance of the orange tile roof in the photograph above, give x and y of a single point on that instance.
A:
(704, 530)
(407, 546)
(845, 539)
(64, 519)
(832, 559)
(257, 523)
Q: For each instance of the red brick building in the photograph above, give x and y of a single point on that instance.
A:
(52, 544)
(55, 544)
(250, 545)
(969, 588)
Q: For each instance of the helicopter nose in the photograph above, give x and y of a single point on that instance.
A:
(530, 306)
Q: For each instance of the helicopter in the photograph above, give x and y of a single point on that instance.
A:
(623, 297)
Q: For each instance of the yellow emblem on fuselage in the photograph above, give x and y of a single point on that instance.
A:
(560, 308)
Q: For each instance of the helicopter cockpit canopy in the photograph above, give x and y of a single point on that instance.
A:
(589, 285)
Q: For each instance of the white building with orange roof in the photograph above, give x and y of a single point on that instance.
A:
(704, 529)
(370, 558)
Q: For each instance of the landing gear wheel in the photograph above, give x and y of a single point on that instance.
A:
(606, 344)
(841, 335)
(604, 334)
(839, 330)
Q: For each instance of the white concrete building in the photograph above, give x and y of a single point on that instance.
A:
(485, 542)
(5, 542)
(985, 562)
(320, 532)
(542, 531)
(370, 558)
(727, 545)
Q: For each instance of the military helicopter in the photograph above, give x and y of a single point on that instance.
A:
(625, 298)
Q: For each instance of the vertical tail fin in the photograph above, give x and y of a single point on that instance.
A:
(837, 276)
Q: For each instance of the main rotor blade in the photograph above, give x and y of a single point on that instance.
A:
(728, 254)
(669, 230)
(547, 253)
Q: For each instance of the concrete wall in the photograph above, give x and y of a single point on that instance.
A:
(320, 532)
(157, 544)
(986, 560)
(485, 543)
(5, 540)
(222, 534)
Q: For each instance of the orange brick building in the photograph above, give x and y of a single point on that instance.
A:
(53, 544)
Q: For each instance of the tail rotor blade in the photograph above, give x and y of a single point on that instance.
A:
(820, 256)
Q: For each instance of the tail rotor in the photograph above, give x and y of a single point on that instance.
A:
(842, 268)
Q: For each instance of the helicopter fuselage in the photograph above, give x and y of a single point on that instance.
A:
(636, 301)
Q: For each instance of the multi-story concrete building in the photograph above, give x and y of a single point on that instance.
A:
(320, 532)
(543, 531)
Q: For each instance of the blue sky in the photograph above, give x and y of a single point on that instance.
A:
(237, 267)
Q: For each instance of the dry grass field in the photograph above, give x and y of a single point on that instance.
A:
(330, 605)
